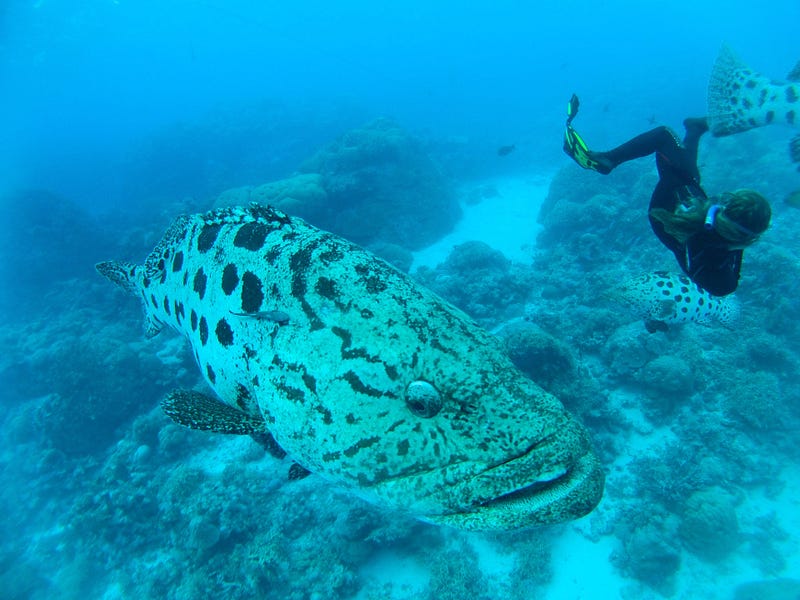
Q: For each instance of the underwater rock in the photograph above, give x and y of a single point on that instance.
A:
(46, 239)
(302, 195)
(668, 381)
(647, 556)
(709, 527)
(754, 399)
(538, 354)
(480, 280)
(381, 186)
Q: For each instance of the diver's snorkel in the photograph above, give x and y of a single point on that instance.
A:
(711, 216)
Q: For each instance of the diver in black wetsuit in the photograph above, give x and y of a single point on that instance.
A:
(706, 235)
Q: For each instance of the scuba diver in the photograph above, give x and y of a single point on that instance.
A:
(706, 235)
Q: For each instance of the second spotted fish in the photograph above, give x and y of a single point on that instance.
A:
(663, 298)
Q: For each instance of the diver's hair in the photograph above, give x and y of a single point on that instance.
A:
(744, 215)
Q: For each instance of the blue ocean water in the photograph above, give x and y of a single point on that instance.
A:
(383, 123)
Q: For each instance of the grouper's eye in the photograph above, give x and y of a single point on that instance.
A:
(423, 399)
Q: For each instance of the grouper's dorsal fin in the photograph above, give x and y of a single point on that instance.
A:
(200, 411)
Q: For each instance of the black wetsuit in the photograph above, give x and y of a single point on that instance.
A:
(705, 257)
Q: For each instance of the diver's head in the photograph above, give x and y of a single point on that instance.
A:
(739, 217)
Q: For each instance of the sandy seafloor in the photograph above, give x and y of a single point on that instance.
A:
(580, 552)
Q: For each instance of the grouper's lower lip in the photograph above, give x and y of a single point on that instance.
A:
(566, 494)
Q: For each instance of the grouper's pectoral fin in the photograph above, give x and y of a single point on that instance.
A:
(200, 411)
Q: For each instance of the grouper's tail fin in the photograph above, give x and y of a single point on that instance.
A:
(126, 276)
(740, 99)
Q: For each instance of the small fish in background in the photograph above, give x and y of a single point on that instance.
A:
(505, 150)
(663, 299)
(793, 199)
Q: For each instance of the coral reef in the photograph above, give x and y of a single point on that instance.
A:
(381, 185)
(709, 527)
(480, 280)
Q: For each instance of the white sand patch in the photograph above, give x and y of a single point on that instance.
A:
(507, 221)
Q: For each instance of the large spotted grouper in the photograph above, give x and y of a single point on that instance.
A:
(359, 374)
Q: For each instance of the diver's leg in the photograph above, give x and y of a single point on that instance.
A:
(695, 128)
(661, 140)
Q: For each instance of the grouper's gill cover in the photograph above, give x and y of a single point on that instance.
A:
(368, 379)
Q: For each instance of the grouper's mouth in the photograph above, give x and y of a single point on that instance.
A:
(562, 494)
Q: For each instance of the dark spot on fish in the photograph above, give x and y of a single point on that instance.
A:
(252, 292)
(684, 289)
(273, 254)
(153, 300)
(747, 104)
(367, 313)
(332, 255)
(670, 284)
(199, 283)
(395, 425)
(193, 320)
(212, 377)
(326, 288)
(678, 298)
(362, 443)
(684, 310)
(770, 116)
(402, 447)
(251, 236)
(791, 94)
(310, 382)
(326, 414)
(207, 237)
(166, 305)
(750, 84)
(242, 397)
(687, 299)
(298, 264)
(351, 419)
(146, 282)
(203, 331)
(660, 283)
(790, 117)
(666, 292)
(331, 456)
(224, 333)
(179, 314)
(177, 262)
(230, 279)
(360, 387)
(391, 371)
(701, 301)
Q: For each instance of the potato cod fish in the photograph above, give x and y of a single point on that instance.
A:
(662, 298)
(740, 99)
(359, 374)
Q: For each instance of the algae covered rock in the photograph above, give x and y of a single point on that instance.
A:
(381, 185)
(480, 280)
